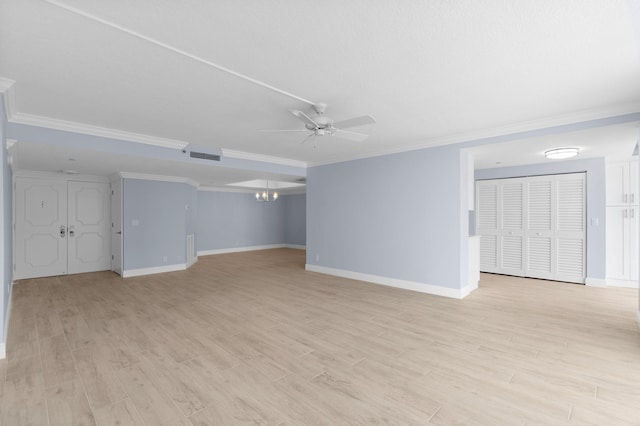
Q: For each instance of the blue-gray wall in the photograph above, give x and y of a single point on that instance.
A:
(163, 212)
(596, 200)
(401, 216)
(6, 258)
(295, 219)
(233, 219)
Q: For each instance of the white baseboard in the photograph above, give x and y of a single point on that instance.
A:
(3, 345)
(595, 282)
(393, 282)
(155, 270)
(190, 264)
(239, 249)
(295, 246)
(622, 283)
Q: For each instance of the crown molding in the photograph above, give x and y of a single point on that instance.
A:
(281, 192)
(263, 158)
(87, 129)
(161, 178)
(59, 176)
(7, 88)
(512, 129)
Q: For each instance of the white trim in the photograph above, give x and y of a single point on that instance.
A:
(515, 128)
(239, 190)
(622, 283)
(6, 84)
(190, 264)
(155, 270)
(87, 129)
(60, 176)
(295, 246)
(162, 178)
(7, 87)
(595, 282)
(3, 345)
(393, 282)
(239, 249)
(226, 189)
(263, 158)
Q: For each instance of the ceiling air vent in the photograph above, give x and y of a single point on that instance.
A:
(202, 153)
(204, 156)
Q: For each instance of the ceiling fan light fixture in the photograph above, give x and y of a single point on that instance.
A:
(561, 153)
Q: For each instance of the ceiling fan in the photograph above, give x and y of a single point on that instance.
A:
(321, 125)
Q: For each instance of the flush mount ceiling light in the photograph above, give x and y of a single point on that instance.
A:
(561, 153)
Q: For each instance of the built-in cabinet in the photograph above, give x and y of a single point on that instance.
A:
(533, 226)
(623, 214)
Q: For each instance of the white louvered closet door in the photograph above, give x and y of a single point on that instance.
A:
(487, 224)
(570, 232)
(539, 227)
(510, 244)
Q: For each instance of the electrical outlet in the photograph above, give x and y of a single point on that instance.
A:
(164, 259)
(317, 258)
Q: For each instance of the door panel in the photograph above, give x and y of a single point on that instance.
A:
(88, 221)
(116, 226)
(40, 221)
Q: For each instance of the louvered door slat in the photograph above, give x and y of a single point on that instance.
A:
(512, 205)
(570, 210)
(487, 206)
(539, 204)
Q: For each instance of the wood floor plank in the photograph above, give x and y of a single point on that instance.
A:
(57, 362)
(67, 405)
(120, 413)
(98, 378)
(153, 405)
(254, 338)
(23, 401)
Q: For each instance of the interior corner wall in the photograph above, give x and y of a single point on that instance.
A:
(295, 219)
(230, 220)
(596, 200)
(6, 258)
(155, 221)
(397, 216)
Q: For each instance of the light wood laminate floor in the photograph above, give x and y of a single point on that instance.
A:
(253, 338)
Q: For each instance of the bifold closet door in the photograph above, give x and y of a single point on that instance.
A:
(533, 226)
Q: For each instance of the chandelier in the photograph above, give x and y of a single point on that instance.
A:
(266, 196)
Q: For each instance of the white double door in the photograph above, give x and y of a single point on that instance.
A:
(533, 226)
(61, 227)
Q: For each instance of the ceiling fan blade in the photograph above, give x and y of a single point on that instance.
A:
(354, 122)
(307, 138)
(304, 118)
(352, 136)
(276, 130)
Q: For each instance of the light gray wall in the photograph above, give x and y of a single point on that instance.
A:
(160, 210)
(232, 219)
(596, 200)
(6, 258)
(401, 216)
(295, 219)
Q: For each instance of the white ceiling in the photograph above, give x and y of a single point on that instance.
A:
(615, 142)
(429, 71)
